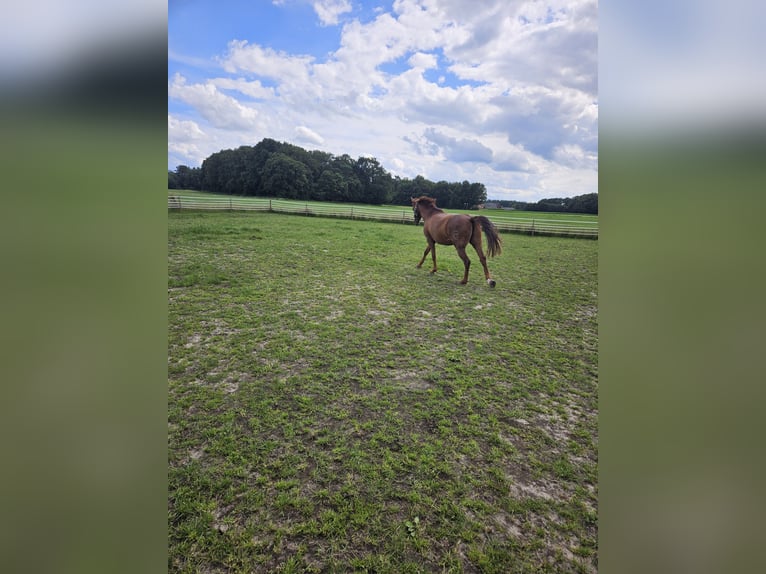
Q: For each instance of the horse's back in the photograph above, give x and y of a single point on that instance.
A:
(450, 229)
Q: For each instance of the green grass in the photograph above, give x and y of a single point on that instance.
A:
(575, 220)
(334, 409)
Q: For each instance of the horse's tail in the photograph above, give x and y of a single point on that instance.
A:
(494, 243)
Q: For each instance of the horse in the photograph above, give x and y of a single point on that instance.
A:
(456, 229)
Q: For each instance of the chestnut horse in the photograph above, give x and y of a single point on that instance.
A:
(456, 229)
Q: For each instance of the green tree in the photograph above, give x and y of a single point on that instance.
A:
(263, 169)
(442, 192)
(587, 203)
(377, 184)
(331, 186)
(405, 189)
(254, 162)
(286, 177)
(346, 167)
(188, 177)
(223, 171)
(467, 195)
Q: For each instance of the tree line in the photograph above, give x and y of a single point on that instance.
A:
(280, 169)
(587, 203)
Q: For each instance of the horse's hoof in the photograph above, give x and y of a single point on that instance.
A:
(491, 282)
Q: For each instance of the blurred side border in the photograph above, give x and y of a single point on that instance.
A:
(681, 282)
(83, 221)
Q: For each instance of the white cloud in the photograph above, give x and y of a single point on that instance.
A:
(514, 159)
(422, 61)
(252, 88)
(186, 130)
(184, 137)
(551, 44)
(515, 104)
(265, 62)
(220, 110)
(542, 118)
(459, 149)
(573, 156)
(304, 134)
(398, 164)
(330, 10)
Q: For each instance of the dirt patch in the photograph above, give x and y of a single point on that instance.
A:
(540, 491)
(410, 380)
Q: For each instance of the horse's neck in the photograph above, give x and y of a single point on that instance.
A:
(431, 210)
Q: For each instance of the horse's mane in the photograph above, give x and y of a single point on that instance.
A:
(429, 200)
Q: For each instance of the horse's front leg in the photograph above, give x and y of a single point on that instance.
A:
(425, 253)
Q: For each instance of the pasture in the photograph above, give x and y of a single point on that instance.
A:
(331, 408)
(515, 221)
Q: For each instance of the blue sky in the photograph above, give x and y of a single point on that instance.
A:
(500, 92)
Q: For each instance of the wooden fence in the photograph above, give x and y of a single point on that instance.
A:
(508, 224)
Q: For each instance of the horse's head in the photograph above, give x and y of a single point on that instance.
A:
(416, 210)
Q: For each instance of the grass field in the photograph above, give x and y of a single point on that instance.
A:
(332, 408)
(575, 223)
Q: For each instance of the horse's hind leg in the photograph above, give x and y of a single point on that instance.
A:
(476, 242)
(466, 262)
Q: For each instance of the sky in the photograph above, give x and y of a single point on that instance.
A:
(501, 92)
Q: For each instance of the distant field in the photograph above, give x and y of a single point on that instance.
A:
(331, 408)
(531, 222)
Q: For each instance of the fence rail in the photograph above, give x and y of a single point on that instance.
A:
(542, 226)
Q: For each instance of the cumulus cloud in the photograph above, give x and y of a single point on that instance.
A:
(220, 110)
(184, 137)
(422, 61)
(330, 10)
(304, 134)
(505, 91)
(398, 164)
(541, 118)
(252, 88)
(417, 99)
(459, 149)
(574, 156)
(513, 159)
(266, 62)
(186, 130)
(552, 43)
